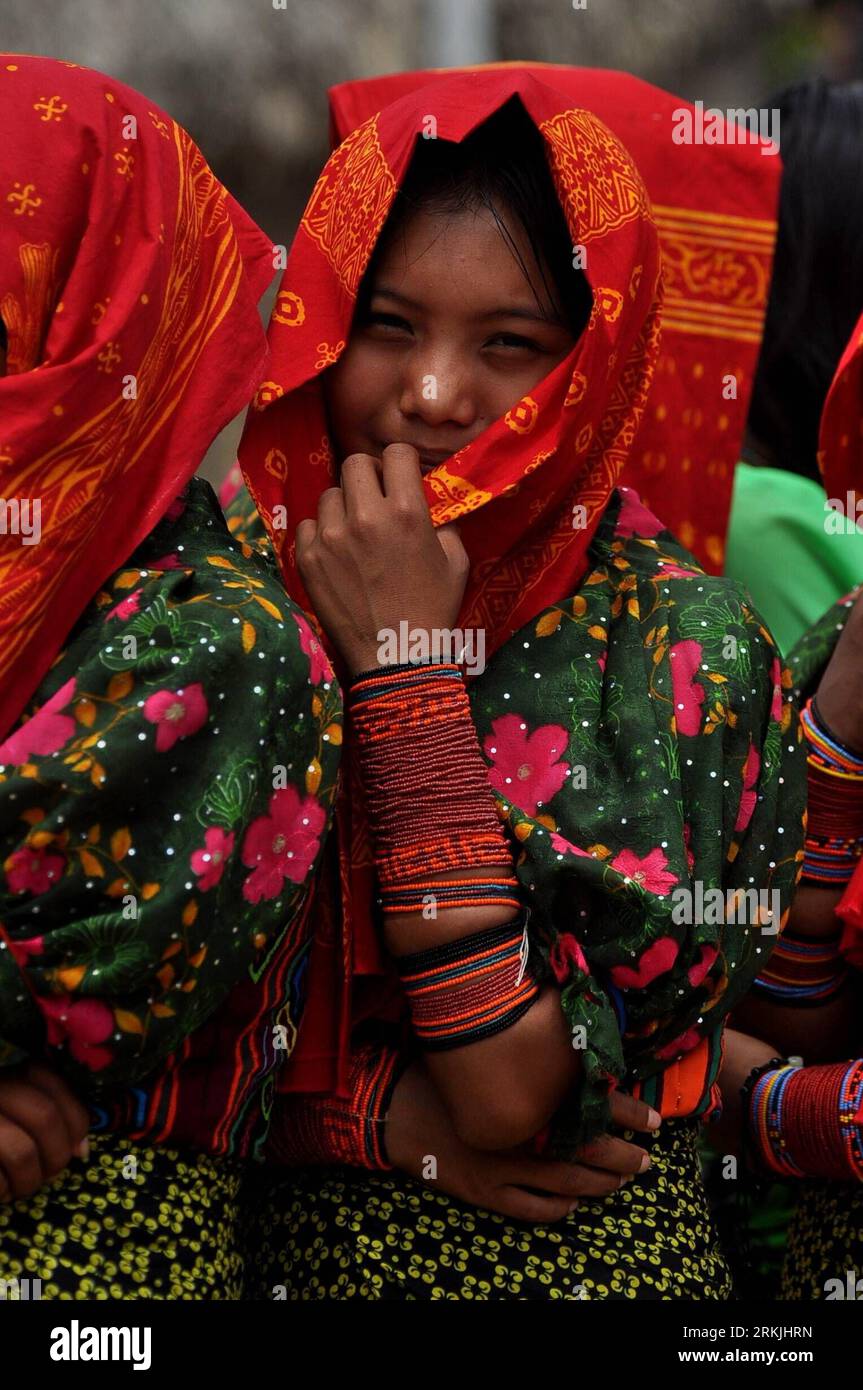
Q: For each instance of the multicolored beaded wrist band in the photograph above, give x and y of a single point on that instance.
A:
(430, 806)
(808, 1121)
(431, 894)
(802, 971)
(469, 989)
(332, 1130)
(834, 834)
(765, 1121)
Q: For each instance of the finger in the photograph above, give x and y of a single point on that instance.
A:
(403, 479)
(361, 485)
(629, 1113)
(19, 1156)
(331, 508)
(305, 534)
(614, 1155)
(522, 1205)
(75, 1115)
(568, 1179)
(450, 542)
(35, 1112)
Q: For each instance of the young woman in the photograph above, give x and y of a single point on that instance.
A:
(439, 355)
(807, 1122)
(165, 770)
(778, 523)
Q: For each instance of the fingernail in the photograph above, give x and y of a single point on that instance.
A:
(653, 1120)
(572, 1206)
(84, 1149)
(645, 1164)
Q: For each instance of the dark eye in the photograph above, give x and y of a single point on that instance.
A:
(514, 340)
(389, 324)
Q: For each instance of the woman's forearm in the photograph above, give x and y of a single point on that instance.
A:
(499, 1049)
(822, 1032)
(504, 1089)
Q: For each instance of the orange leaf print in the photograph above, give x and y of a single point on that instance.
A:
(249, 636)
(165, 976)
(93, 834)
(548, 623)
(97, 774)
(162, 1011)
(333, 734)
(128, 1022)
(314, 772)
(120, 685)
(127, 580)
(33, 816)
(199, 957)
(85, 712)
(598, 632)
(149, 890)
(267, 606)
(121, 843)
(220, 562)
(172, 949)
(70, 976)
(190, 912)
(90, 864)
(118, 888)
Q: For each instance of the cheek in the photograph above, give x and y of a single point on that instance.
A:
(355, 391)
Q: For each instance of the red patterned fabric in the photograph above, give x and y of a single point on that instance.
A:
(715, 211)
(129, 280)
(512, 490)
(840, 451)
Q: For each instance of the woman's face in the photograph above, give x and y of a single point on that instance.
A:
(451, 337)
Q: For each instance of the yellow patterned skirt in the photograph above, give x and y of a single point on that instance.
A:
(825, 1242)
(132, 1222)
(341, 1234)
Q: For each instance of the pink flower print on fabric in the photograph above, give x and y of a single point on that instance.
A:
(655, 961)
(749, 795)
(209, 863)
(634, 519)
(650, 873)
(31, 870)
(319, 667)
(177, 713)
(525, 767)
(688, 695)
(82, 1024)
(44, 733)
(282, 845)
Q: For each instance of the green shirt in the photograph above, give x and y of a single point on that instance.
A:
(780, 550)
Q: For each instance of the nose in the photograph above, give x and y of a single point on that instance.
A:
(437, 388)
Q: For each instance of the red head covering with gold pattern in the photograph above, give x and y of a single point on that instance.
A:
(512, 489)
(129, 281)
(715, 209)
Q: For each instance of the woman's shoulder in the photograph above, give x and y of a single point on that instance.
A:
(634, 548)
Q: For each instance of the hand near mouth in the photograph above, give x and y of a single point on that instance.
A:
(373, 558)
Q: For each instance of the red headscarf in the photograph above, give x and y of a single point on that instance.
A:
(715, 211)
(512, 490)
(129, 280)
(840, 451)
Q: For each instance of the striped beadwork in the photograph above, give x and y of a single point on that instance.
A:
(834, 836)
(469, 989)
(430, 805)
(803, 971)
